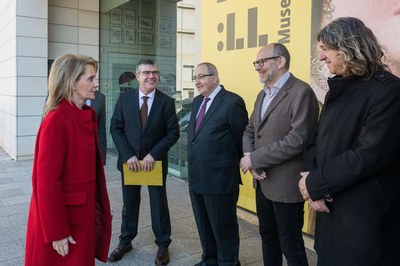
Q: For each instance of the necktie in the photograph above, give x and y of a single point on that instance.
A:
(201, 113)
(144, 110)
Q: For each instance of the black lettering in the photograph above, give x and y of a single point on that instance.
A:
(285, 12)
(285, 22)
(286, 34)
(285, 4)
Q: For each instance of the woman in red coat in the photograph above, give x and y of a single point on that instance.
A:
(69, 219)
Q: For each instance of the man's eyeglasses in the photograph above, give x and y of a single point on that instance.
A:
(147, 73)
(260, 62)
(201, 77)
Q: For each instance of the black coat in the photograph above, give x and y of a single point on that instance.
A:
(99, 106)
(215, 150)
(356, 162)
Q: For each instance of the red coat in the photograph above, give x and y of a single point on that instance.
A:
(69, 195)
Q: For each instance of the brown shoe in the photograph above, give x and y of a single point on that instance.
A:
(119, 252)
(162, 256)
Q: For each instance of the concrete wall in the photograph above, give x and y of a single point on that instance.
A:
(31, 33)
(73, 27)
(186, 57)
(23, 72)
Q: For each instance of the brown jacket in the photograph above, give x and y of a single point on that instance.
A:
(277, 141)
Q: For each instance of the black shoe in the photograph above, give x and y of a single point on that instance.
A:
(162, 257)
(119, 252)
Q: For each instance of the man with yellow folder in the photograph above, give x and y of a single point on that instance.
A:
(144, 127)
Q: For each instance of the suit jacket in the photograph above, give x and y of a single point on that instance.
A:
(99, 106)
(159, 134)
(69, 194)
(214, 151)
(276, 142)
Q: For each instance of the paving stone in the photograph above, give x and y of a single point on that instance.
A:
(11, 251)
(5, 223)
(18, 219)
(11, 234)
(14, 209)
(7, 193)
(14, 185)
(16, 200)
(13, 262)
(6, 180)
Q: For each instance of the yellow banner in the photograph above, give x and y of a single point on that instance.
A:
(237, 29)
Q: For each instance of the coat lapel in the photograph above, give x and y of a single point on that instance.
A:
(214, 106)
(278, 98)
(134, 107)
(195, 109)
(154, 109)
(257, 106)
(281, 94)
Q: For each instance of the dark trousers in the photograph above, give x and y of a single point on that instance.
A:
(218, 228)
(160, 219)
(280, 226)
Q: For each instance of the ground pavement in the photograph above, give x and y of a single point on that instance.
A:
(185, 250)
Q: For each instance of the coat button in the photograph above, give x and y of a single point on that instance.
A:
(327, 195)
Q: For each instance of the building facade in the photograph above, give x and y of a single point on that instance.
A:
(117, 33)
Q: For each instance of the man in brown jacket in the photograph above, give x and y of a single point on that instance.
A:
(285, 112)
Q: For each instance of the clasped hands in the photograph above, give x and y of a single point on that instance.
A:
(245, 165)
(147, 163)
(318, 205)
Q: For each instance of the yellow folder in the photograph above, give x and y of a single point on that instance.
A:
(149, 178)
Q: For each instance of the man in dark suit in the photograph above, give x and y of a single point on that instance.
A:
(144, 127)
(285, 112)
(215, 131)
(99, 106)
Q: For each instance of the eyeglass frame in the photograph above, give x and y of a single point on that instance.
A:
(260, 62)
(147, 72)
(201, 76)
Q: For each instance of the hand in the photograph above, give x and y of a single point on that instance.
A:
(61, 246)
(245, 163)
(318, 205)
(133, 164)
(258, 176)
(302, 185)
(148, 163)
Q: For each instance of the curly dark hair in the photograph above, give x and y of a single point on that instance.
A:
(362, 53)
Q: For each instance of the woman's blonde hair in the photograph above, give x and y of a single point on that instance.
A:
(64, 72)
